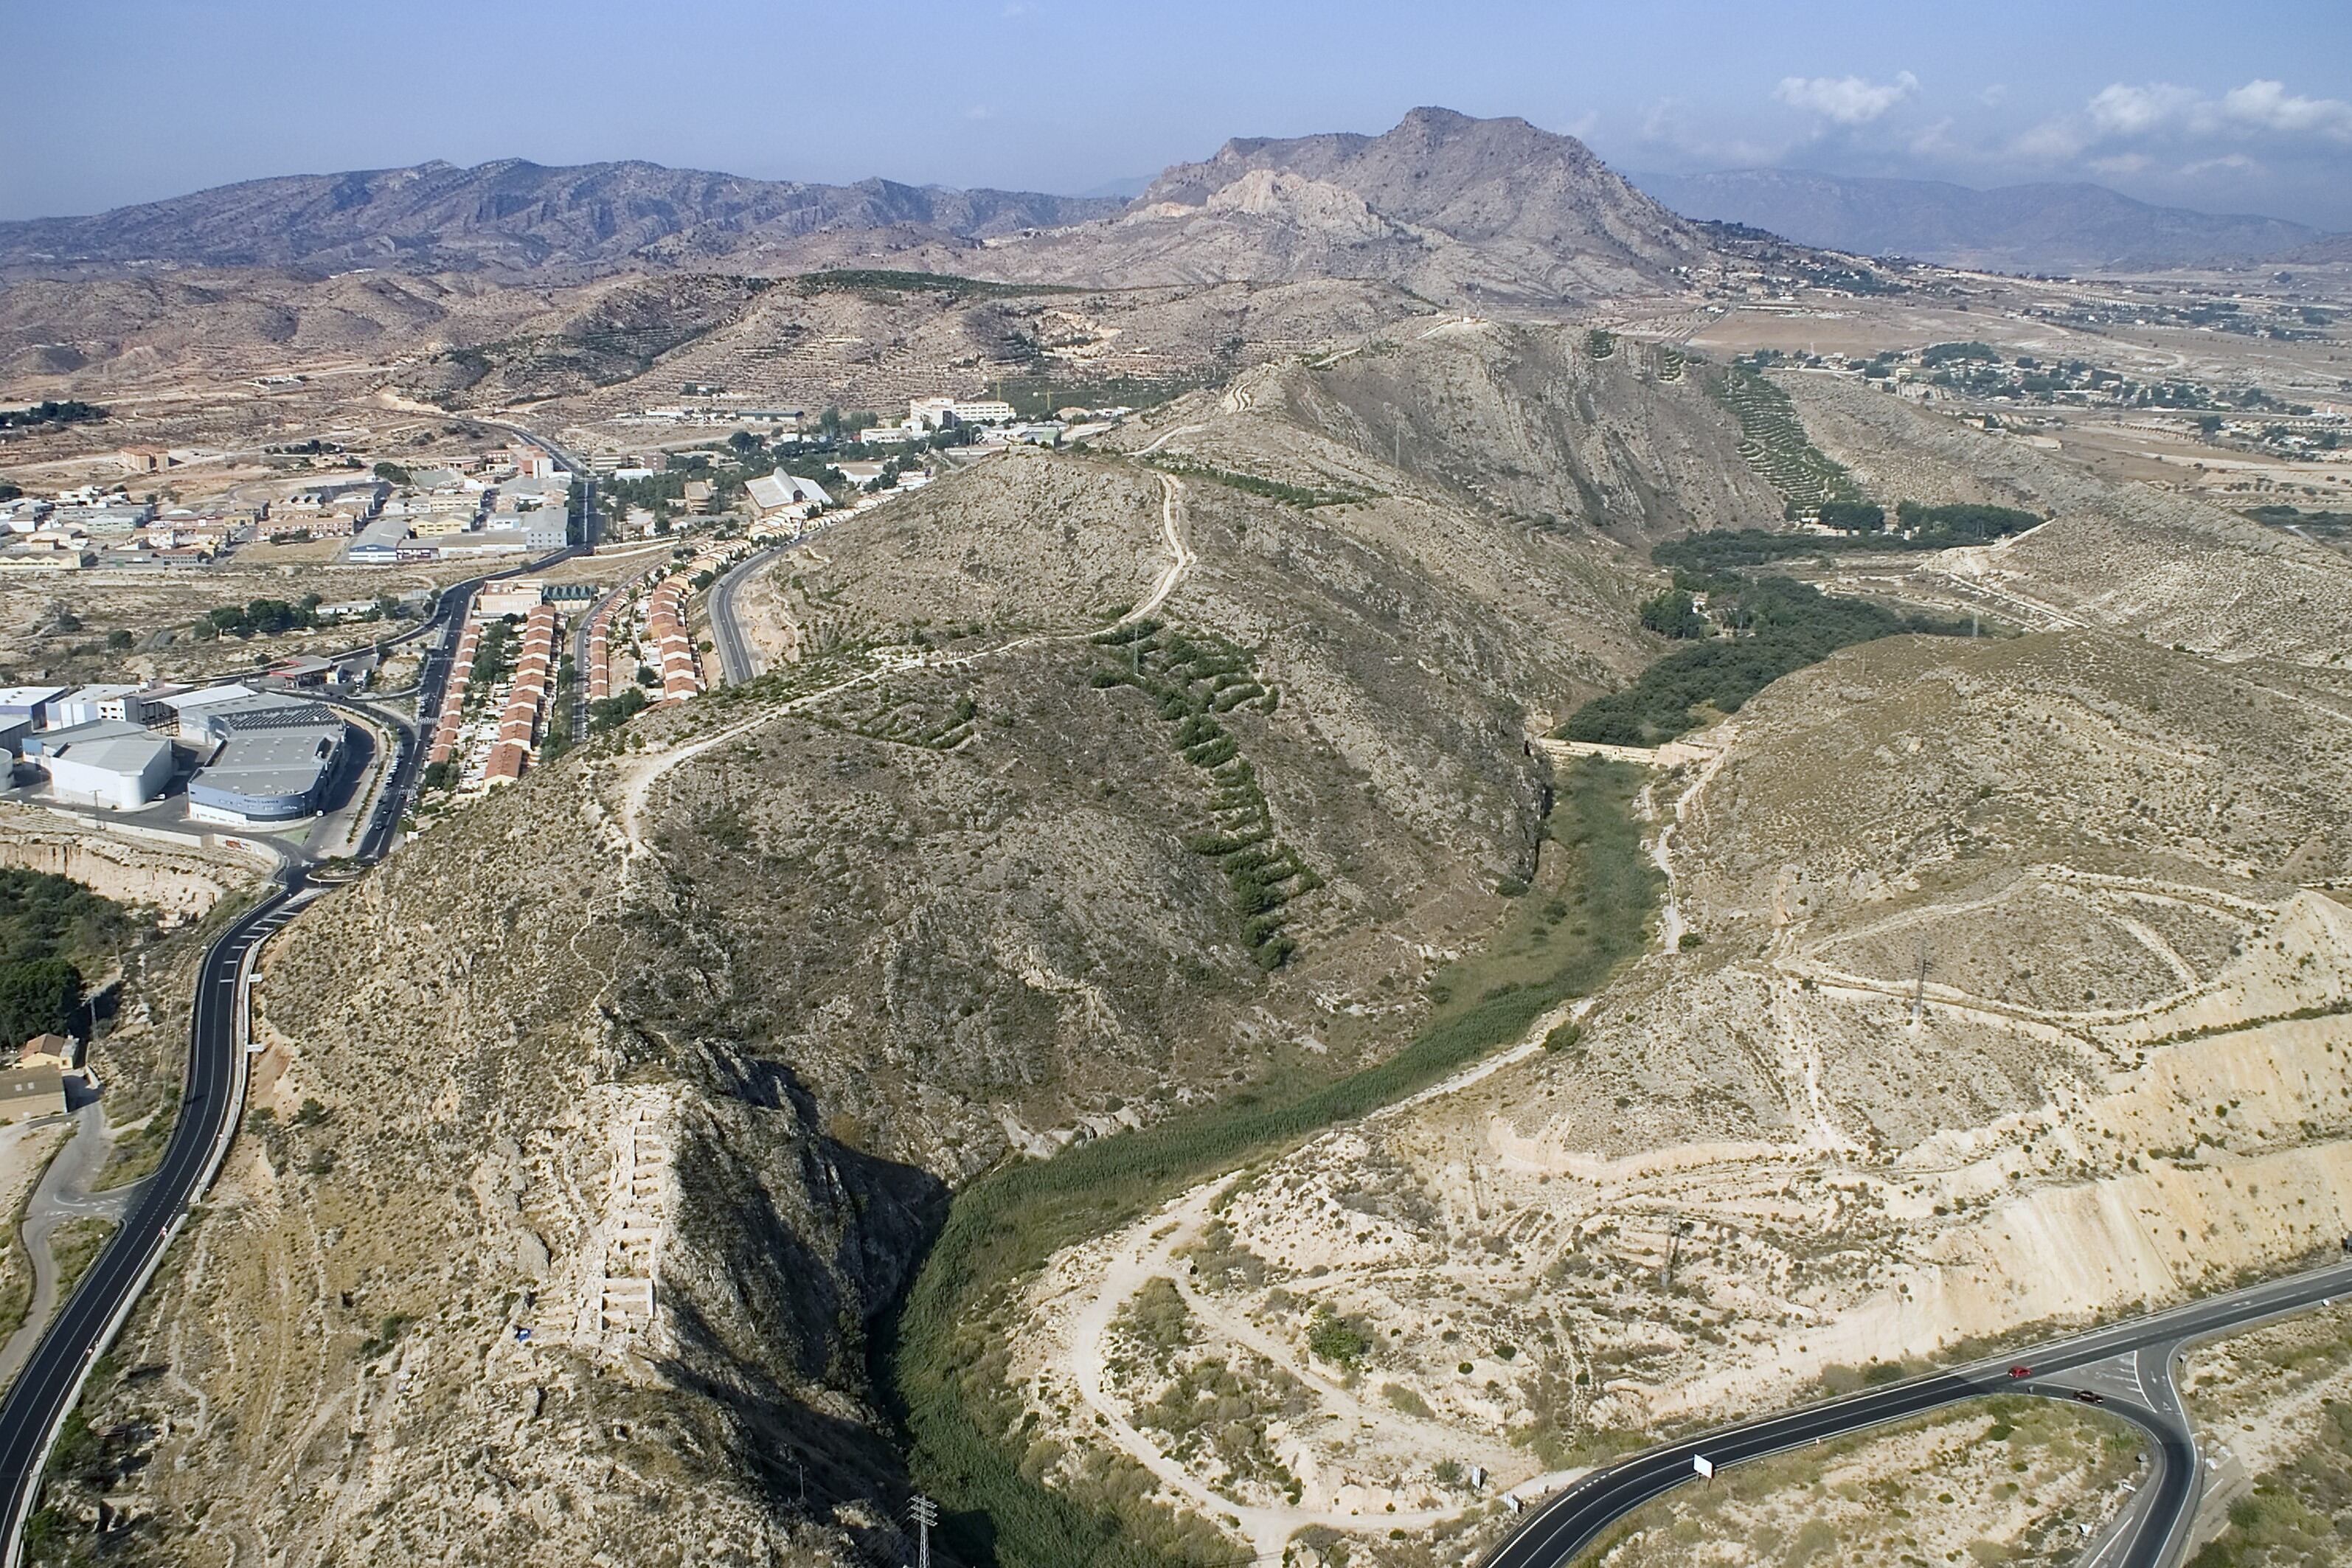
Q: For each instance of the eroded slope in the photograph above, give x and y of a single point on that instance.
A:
(1749, 1167)
(595, 1128)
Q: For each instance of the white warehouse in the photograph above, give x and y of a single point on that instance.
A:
(107, 763)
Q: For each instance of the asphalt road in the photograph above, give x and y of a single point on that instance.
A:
(38, 1402)
(52, 1379)
(2132, 1358)
(736, 661)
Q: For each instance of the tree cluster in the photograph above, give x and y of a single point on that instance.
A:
(50, 928)
(51, 412)
(260, 618)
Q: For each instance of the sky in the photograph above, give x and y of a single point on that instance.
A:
(2239, 107)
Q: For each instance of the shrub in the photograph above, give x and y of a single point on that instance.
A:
(1788, 624)
(1336, 1339)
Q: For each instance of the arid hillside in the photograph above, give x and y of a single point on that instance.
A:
(1459, 210)
(1967, 985)
(1559, 430)
(2169, 567)
(597, 1128)
(2001, 985)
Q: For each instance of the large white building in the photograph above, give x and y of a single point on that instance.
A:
(771, 493)
(938, 413)
(109, 763)
(85, 705)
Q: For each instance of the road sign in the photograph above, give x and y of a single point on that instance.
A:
(1703, 1466)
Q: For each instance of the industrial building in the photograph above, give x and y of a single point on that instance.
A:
(85, 704)
(272, 758)
(107, 762)
(29, 703)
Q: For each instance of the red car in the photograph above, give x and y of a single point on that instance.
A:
(2021, 1372)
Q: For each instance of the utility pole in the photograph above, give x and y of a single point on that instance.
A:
(926, 1514)
(1673, 1248)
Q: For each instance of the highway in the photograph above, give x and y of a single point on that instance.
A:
(52, 1379)
(210, 1095)
(2129, 1363)
(736, 661)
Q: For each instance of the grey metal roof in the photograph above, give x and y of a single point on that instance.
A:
(272, 760)
(108, 743)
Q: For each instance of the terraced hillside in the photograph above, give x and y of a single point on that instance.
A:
(1773, 442)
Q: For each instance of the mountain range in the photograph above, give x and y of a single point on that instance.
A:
(2031, 227)
(518, 216)
(1456, 210)
(1447, 204)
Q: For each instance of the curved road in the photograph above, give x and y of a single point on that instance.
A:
(38, 1402)
(52, 1379)
(2128, 1363)
(737, 662)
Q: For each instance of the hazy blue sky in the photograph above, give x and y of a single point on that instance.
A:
(2244, 107)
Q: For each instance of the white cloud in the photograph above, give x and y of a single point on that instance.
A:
(1663, 130)
(2269, 106)
(2123, 112)
(2052, 142)
(2230, 164)
(1848, 99)
(2119, 109)
(1936, 142)
(2123, 121)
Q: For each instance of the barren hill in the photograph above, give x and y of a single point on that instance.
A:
(515, 215)
(1100, 785)
(1453, 207)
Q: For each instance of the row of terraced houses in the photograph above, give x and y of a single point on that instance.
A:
(527, 698)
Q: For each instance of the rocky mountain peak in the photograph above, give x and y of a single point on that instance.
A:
(1458, 205)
